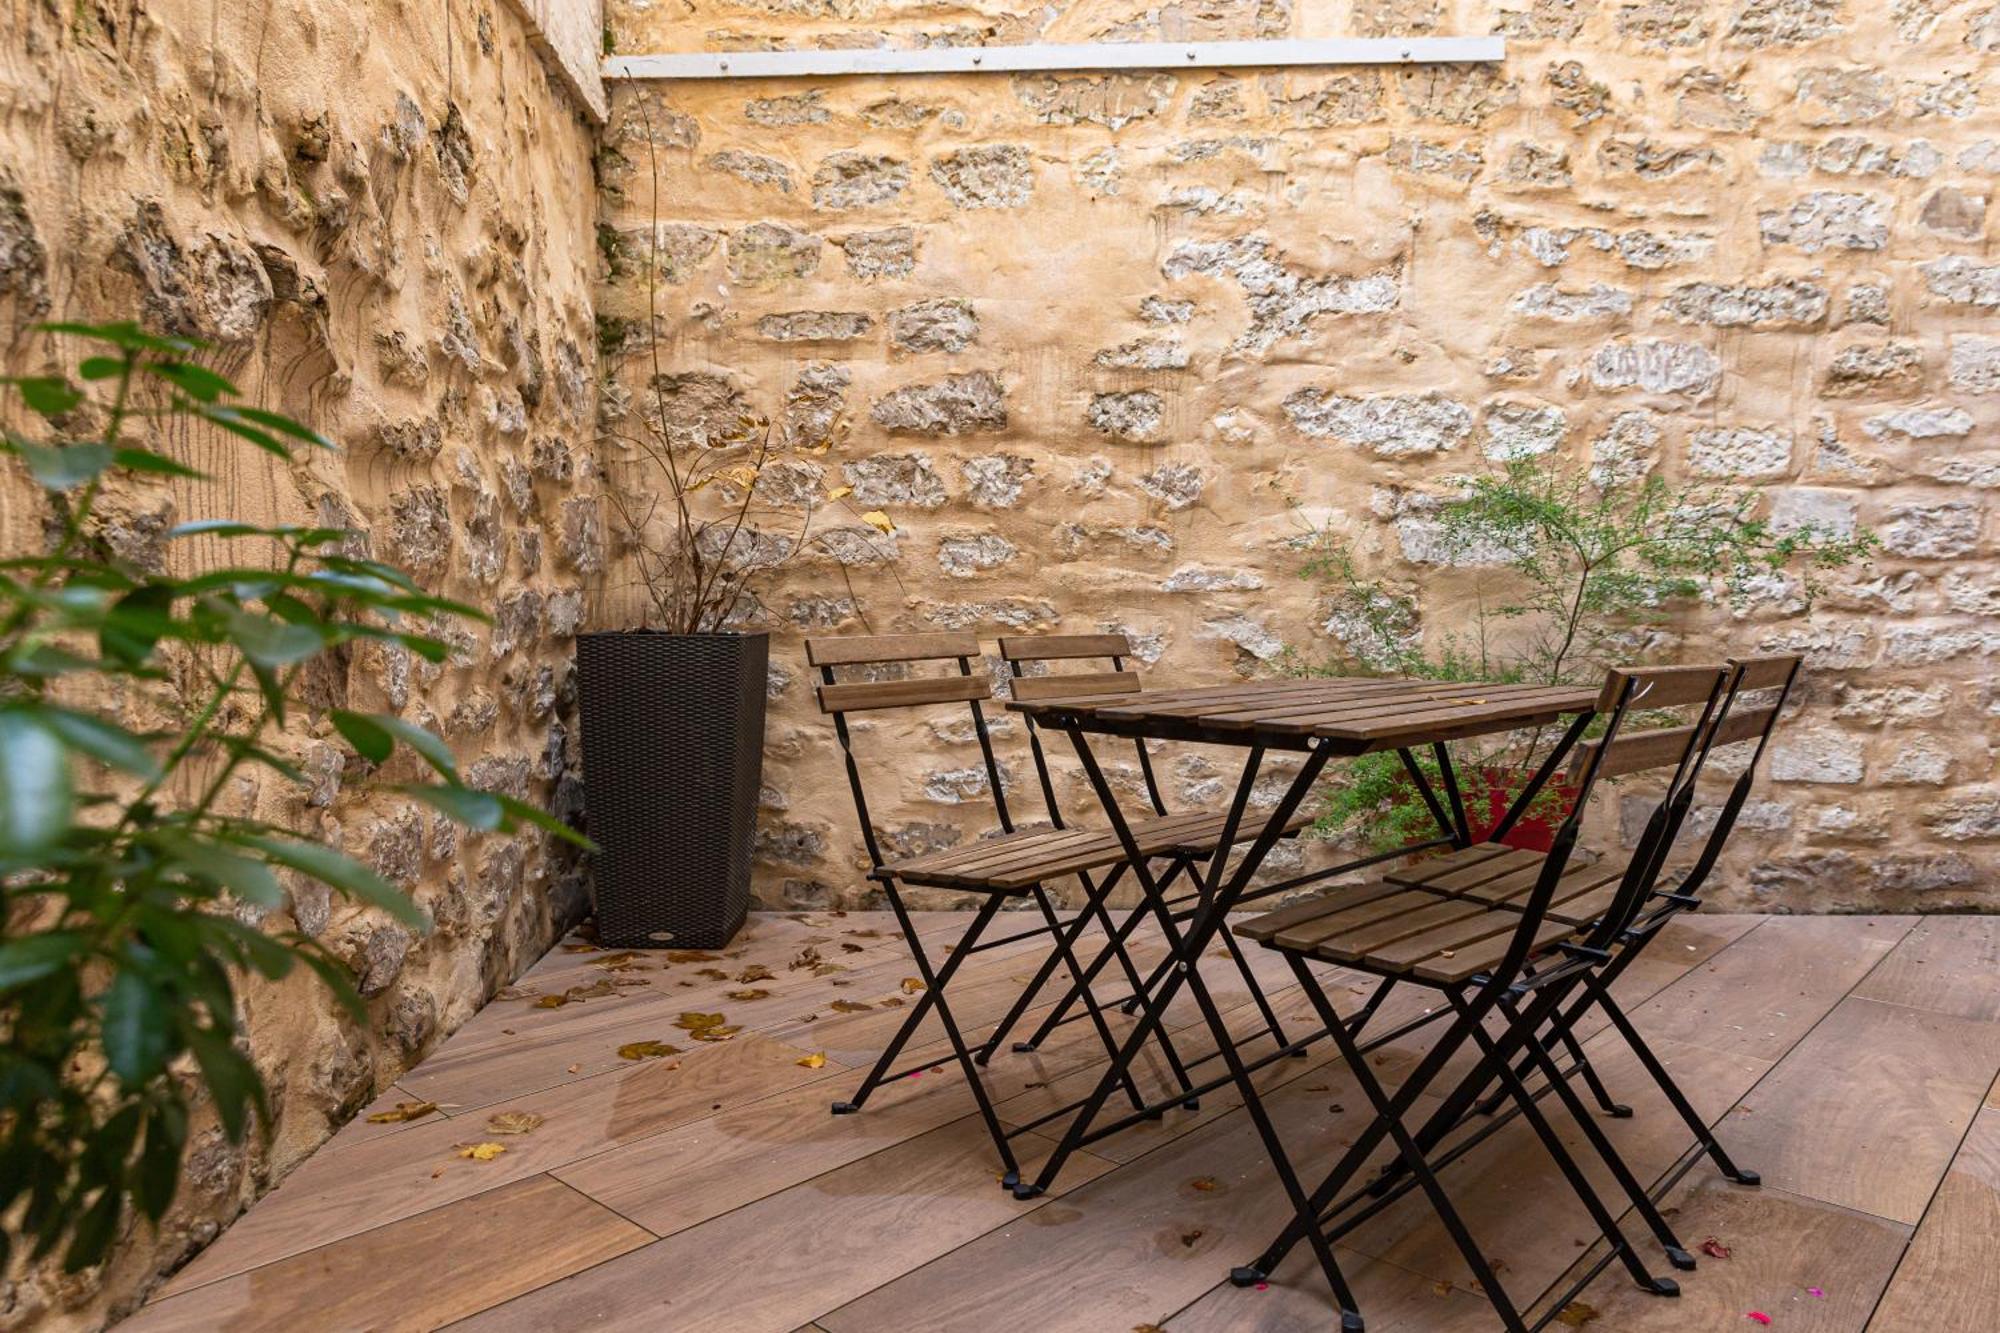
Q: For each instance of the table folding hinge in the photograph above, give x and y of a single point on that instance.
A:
(1585, 951)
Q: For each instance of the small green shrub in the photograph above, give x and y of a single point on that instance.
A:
(129, 891)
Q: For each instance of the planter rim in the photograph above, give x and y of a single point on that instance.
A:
(647, 632)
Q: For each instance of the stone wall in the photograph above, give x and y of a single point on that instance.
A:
(379, 214)
(1095, 332)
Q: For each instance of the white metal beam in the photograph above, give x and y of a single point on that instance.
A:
(1295, 52)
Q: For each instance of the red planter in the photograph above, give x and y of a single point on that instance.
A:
(1488, 796)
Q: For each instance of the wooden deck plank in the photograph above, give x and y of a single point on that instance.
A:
(1948, 1277)
(372, 1185)
(507, 1242)
(1121, 1250)
(1763, 993)
(1947, 964)
(1781, 1247)
(1295, 1300)
(793, 1256)
(1868, 1109)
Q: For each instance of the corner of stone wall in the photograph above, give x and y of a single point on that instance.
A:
(569, 35)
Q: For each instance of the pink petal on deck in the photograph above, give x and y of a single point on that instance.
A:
(1816, 1293)
(1759, 1316)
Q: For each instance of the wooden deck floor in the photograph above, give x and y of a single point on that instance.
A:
(1850, 1059)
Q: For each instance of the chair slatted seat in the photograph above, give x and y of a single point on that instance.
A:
(1014, 863)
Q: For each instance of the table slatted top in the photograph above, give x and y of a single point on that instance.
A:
(1359, 714)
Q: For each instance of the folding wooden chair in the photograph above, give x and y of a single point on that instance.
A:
(1469, 925)
(1757, 693)
(1014, 864)
(1036, 654)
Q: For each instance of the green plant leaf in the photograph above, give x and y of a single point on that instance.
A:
(94, 1231)
(102, 741)
(65, 467)
(145, 460)
(158, 1177)
(232, 1080)
(125, 334)
(35, 793)
(542, 819)
(138, 1031)
(426, 743)
(48, 395)
(30, 958)
(342, 872)
(136, 622)
(284, 425)
(336, 976)
(233, 422)
(197, 382)
(246, 877)
(269, 642)
(370, 740)
(474, 809)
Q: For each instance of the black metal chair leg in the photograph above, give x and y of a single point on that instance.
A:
(1673, 1093)
(934, 986)
(1531, 1111)
(1090, 1004)
(1026, 998)
(1264, 1010)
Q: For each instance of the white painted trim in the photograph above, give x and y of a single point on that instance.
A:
(1079, 56)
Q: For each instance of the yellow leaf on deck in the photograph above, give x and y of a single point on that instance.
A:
(695, 1021)
(755, 994)
(849, 1006)
(646, 1050)
(816, 1060)
(403, 1111)
(481, 1152)
(1576, 1314)
(716, 1033)
(911, 985)
(878, 520)
(756, 972)
(513, 1122)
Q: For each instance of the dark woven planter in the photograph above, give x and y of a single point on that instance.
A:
(673, 757)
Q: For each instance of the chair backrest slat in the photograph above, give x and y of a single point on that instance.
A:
(1050, 647)
(960, 683)
(865, 649)
(1765, 673)
(1658, 687)
(862, 695)
(1082, 685)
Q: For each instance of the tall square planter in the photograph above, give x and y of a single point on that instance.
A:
(673, 759)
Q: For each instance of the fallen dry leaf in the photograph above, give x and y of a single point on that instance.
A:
(1714, 1248)
(578, 994)
(756, 972)
(713, 974)
(1206, 1184)
(849, 1006)
(808, 957)
(481, 1152)
(513, 1122)
(754, 994)
(828, 969)
(694, 1021)
(646, 1050)
(723, 1033)
(1576, 1314)
(615, 960)
(692, 956)
(403, 1111)
(817, 1060)
(846, 947)
(580, 948)
(911, 985)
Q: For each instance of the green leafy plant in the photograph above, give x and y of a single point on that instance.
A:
(129, 883)
(1573, 568)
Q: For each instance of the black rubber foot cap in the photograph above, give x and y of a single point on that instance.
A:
(1191, 1104)
(1680, 1259)
(845, 1108)
(1620, 1112)
(1664, 1286)
(1024, 1048)
(1352, 1322)
(981, 1058)
(1246, 1277)
(1025, 1192)
(1011, 1180)
(1748, 1178)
